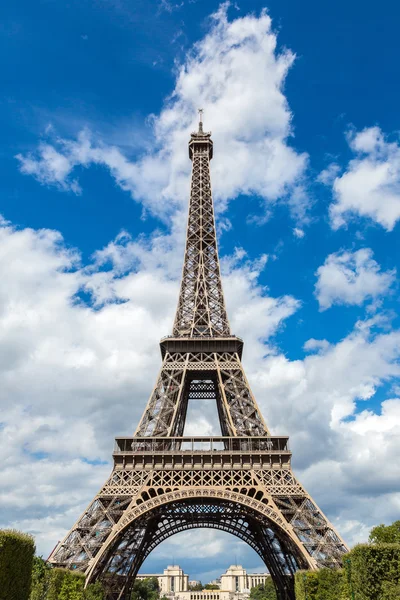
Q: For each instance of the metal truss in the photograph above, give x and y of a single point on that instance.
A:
(182, 378)
(253, 475)
(201, 307)
(163, 483)
(122, 560)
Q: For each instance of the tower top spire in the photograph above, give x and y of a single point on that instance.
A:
(200, 111)
(200, 140)
(201, 307)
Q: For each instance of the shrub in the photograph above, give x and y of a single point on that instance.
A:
(374, 571)
(40, 579)
(306, 585)
(325, 584)
(332, 585)
(16, 558)
(72, 586)
(56, 579)
(94, 591)
(61, 584)
(146, 589)
(264, 591)
(385, 534)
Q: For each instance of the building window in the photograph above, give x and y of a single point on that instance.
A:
(172, 584)
(236, 583)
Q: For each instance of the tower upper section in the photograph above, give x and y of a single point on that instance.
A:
(201, 308)
(200, 142)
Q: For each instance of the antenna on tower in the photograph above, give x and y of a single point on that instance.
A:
(200, 111)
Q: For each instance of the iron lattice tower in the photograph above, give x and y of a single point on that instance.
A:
(162, 482)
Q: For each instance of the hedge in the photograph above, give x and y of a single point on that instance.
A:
(61, 584)
(332, 585)
(371, 572)
(40, 575)
(16, 558)
(325, 584)
(55, 582)
(306, 585)
(374, 571)
(72, 586)
(94, 591)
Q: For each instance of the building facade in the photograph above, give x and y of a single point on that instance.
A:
(210, 595)
(234, 584)
(237, 580)
(172, 581)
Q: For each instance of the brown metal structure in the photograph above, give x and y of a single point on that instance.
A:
(162, 482)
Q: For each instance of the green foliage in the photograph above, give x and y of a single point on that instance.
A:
(264, 591)
(196, 588)
(146, 589)
(16, 558)
(94, 591)
(211, 586)
(306, 585)
(385, 534)
(54, 585)
(390, 590)
(60, 584)
(72, 586)
(40, 579)
(374, 571)
(331, 585)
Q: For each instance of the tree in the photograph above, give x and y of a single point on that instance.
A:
(264, 591)
(16, 558)
(40, 578)
(72, 586)
(196, 588)
(56, 579)
(211, 586)
(146, 589)
(385, 534)
(94, 591)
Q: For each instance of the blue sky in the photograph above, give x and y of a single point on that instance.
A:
(98, 101)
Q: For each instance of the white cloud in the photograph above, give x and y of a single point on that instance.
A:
(335, 446)
(74, 374)
(328, 175)
(351, 278)
(72, 371)
(370, 184)
(245, 107)
(299, 233)
(313, 345)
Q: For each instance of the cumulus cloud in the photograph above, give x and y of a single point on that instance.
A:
(337, 444)
(351, 278)
(76, 372)
(79, 370)
(370, 184)
(299, 233)
(245, 108)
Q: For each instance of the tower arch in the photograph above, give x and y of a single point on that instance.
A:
(145, 526)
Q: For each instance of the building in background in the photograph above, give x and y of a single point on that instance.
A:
(210, 595)
(173, 580)
(216, 582)
(236, 579)
(234, 584)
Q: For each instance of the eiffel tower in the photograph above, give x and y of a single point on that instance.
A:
(163, 483)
